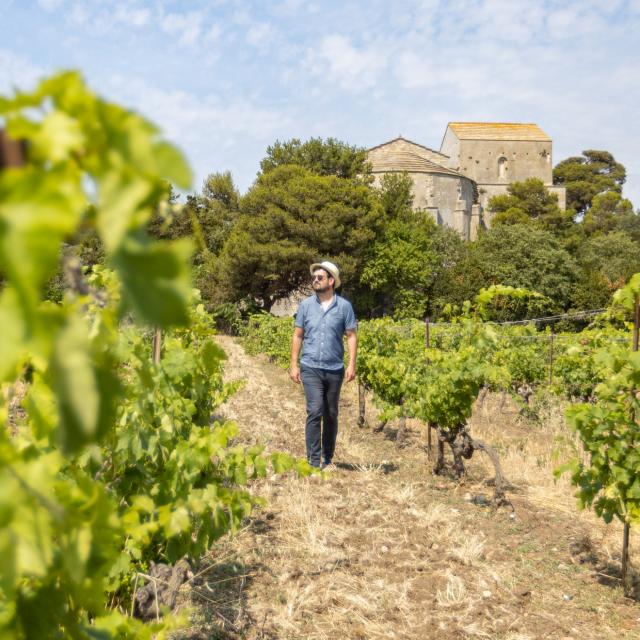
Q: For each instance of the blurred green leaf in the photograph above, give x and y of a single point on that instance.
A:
(155, 278)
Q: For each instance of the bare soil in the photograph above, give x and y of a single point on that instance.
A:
(381, 548)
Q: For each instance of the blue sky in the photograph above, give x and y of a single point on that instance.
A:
(226, 78)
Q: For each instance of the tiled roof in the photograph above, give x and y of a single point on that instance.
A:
(411, 142)
(410, 162)
(498, 131)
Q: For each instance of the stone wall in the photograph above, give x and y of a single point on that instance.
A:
(501, 161)
(447, 198)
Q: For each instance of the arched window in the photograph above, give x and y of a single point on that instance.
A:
(502, 168)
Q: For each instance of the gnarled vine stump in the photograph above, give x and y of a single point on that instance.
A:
(463, 446)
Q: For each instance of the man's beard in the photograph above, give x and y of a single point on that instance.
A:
(319, 288)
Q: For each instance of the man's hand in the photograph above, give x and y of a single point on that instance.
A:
(294, 373)
(350, 373)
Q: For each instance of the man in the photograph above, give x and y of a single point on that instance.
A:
(321, 322)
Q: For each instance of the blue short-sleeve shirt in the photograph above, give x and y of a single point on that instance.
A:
(322, 344)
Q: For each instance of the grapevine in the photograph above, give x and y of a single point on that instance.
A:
(115, 465)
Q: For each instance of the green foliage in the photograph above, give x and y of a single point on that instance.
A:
(608, 212)
(576, 372)
(499, 303)
(528, 202)
(586, 176)
(395, 192)
(436, 386)
(625, 297)
(609, 427)
(403, 267)
(605, 262)
(410, 259)
(291, 218)
(610, 433)
(208, 216)
(520, 256)
(267, 334)
(328, 157)
(115, 464)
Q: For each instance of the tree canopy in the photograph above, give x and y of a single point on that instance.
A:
(528, 202)
(605, 263)
(290, 218)
(607, 212)
(521, 256)
(410, 260)
(317, 200)
(588, 175)
(328, 157)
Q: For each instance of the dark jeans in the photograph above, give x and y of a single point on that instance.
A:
(322, 391)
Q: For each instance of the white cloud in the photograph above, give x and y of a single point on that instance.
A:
(340, 61)
(50, 5)
(213, 33)
(132, 16)
(260, 35)
(415, 70)
(103, 17)
(212, 130)
(79, 15)
(187, 27)
(360, 71)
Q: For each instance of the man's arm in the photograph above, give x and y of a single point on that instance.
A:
(296, 345)
(352, 347)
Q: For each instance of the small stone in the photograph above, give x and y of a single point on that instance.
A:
(486, 594)
(512, 515)
(384, 548)
(566, 597)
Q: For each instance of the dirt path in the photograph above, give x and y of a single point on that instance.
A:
(382, 549)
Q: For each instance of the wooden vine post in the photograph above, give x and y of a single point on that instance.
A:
(361, 397)
(156, 346)
(626, 581)
(402, 426)
(551, 338)
(361, 405)
(427, 342)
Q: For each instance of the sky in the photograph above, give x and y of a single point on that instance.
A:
(224, 79)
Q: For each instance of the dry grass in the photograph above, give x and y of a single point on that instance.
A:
(454, 593)
(531, 450)
(382, 549)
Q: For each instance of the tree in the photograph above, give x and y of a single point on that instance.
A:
(606, 262)
(328, 157)
(606, 213)
(588, 175)
(410, 258)
(529, 202)
(395, 193)
(211, 213)
(520, 256)
(290, 218)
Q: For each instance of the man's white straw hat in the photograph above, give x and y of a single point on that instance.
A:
(329, 267)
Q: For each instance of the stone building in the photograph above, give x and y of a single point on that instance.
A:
(476, 161)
